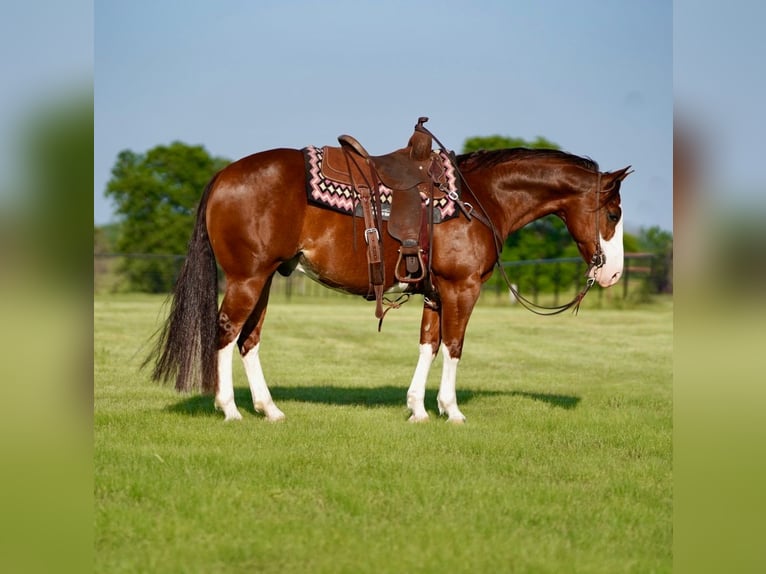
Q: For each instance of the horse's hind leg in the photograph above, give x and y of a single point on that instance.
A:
(249, 345)
(238, 303)
(430, 337)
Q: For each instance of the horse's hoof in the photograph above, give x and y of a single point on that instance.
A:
(274, 415)
(418, 419)
(270, 411)
(458, 420)
(229, 409)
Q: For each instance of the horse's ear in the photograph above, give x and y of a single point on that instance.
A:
(620, 174)
(612, 179)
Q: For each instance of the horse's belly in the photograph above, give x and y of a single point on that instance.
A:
(332, 252)
(337, 273)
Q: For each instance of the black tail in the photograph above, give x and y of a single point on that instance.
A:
(186, 345)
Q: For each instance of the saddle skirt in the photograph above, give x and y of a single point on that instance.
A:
(329, 184)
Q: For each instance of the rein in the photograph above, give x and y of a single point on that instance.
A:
(597, 261)
(574, 304)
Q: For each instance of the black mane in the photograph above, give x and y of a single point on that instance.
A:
(489, 158)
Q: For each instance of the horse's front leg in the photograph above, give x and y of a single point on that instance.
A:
(457, 303)
(430, 337)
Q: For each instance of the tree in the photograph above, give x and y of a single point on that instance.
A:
(501, 142)
(156, 194)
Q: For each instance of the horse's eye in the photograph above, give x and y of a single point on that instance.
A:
(614, 217)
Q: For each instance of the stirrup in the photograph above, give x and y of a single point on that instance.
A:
(413, 262)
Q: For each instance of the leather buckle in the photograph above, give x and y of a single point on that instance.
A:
(368, 231)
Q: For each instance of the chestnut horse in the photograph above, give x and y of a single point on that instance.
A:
(254, 220)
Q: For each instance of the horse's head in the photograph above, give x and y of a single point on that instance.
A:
(597, 228)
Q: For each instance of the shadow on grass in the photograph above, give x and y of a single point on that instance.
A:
(387, 396)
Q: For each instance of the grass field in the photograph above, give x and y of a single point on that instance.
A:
(564, 465)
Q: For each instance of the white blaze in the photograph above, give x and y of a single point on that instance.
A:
(611, 272)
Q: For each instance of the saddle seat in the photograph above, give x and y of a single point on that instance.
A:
(402, 169)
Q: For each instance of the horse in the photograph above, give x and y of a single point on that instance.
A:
(254, 220)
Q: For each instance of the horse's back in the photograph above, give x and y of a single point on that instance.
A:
(255, 209)
(260, 179)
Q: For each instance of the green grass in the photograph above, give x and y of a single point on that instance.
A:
(564, 465)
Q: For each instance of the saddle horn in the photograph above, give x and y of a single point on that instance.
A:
(421, 142)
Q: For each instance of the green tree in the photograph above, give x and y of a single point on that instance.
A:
(501, 142)
(156, 194)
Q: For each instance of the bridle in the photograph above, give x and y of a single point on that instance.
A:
(597, 261)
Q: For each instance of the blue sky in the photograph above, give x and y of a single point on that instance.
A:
(238, 77)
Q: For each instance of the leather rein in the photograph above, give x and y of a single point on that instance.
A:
(597, 261)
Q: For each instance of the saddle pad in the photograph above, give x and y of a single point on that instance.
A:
(341, 197)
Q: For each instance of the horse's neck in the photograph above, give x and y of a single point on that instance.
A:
(517, 201)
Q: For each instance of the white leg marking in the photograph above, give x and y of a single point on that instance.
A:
(262, 400)
(447, 399)
(417, 392)
(224, 397)
(613, 250)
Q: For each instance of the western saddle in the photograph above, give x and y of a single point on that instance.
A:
(407, 172)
